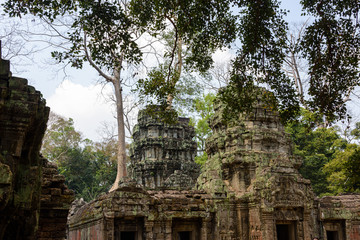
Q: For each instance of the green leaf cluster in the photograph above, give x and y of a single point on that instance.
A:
(331, 45)
(343, 172)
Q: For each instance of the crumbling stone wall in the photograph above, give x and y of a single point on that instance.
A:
(55, 200)
(147, 215)
(251, 158)
(23, 118)
(340, 215)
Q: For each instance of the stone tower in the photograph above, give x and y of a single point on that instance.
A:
(251, 158)
(162, 155)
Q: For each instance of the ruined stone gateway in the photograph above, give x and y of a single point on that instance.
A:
(249, 189)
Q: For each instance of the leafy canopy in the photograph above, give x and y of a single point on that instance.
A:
(330, 45)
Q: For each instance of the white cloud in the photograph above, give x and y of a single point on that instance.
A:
(89, 106)
(223, 56)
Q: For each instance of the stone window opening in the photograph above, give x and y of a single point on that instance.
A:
(129, 229)
(334, 230)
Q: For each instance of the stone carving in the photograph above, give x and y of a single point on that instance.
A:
(162, 155)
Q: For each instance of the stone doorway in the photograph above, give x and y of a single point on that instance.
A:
(184, 235)
(334, 230)
(286, 231)
(186, 229)
(127, 235)
(332, 235)
(129, 229)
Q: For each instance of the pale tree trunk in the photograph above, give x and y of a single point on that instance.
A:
(116, 81)
(178, 68)
(121, 156)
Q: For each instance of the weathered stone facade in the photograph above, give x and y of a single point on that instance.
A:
(249, 189)
(340, 217)
(251, 158)
(23, 196)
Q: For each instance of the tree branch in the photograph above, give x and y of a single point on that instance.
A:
(88, 57)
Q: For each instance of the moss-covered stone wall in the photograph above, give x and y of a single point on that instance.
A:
(23, 118)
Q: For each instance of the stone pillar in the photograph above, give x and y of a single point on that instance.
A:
(168, 230)
(243, 220)
(109, 228)
(206, 229)
(307, 232)
(268, 228)
(255, 224)
(149, 230)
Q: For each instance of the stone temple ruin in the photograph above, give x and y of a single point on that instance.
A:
(249, 189)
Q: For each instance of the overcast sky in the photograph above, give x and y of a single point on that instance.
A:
(78, 94)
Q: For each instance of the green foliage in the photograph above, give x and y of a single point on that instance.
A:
(203, 25)
(317, 146)
(344, 170)
(196, 30)
(89, 168)
(105, 26)
(201, 159)
(185, 93)
(158, 86)
(331, 46)
(204, 107)
(59, 138)
(262, 32)
(356, 131)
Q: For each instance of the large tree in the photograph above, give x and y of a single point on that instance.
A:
(102, 33)
(193, 31)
